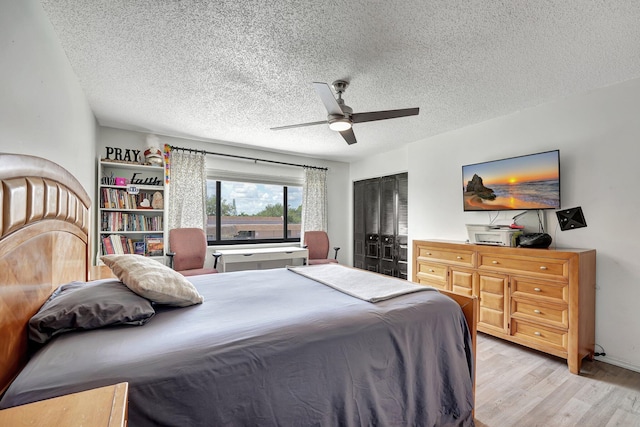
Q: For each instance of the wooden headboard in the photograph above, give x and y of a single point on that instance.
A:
(44, 242)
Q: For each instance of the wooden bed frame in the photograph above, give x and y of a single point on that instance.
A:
(470, 306)
(44, 242)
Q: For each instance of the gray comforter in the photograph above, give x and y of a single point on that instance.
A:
(273, 348)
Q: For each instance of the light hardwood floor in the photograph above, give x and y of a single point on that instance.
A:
(516, 386)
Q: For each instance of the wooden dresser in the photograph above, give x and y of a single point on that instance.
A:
(540, 298)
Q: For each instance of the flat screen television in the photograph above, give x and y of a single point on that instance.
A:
(516, 183)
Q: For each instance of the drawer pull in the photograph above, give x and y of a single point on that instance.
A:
(538, 334)
(537, 311)
(542, 267)
(431, 270)
(537, 289)
(458, 257)
(427, 253)
(495, 262)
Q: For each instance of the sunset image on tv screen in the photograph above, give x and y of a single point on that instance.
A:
(517, 183)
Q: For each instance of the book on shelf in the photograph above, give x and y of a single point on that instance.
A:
(139, 247)
(125, 245)
(113, 198)
(118, 245)
(122, 221)
(154, 245)
(107, 246)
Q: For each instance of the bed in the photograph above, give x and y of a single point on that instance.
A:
(269, 347)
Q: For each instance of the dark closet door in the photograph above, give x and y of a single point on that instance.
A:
(359, 247)
(372, 224)
(402, 225)
(380, 224)
(388, 204)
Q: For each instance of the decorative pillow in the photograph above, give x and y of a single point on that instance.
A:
(153, 280)
(80, 305)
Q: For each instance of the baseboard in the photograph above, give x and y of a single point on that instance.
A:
(619, 363)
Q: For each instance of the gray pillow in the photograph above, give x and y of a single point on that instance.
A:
(81, 306)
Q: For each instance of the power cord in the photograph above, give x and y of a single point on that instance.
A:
(540, 224)
(602, 353)
(491, 221)
(555, 234)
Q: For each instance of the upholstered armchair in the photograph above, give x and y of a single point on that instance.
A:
(317, 242)
(188, 251)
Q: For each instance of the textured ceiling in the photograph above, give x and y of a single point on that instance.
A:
(227, 71)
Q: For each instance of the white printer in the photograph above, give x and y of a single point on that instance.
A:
(498, 235)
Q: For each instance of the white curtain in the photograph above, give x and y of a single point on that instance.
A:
(188, 190)
(314, 201)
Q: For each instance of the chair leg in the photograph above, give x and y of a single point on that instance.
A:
(216, 255)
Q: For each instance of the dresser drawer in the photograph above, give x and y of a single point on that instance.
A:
(462, 258)
(432, 272)
(539, 290)
(542, 267)
(539, 333)
(433, 283)
(462, 281)
(553, 315)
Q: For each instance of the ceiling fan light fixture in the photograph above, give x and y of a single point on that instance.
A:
(340, 125)
(341, 117)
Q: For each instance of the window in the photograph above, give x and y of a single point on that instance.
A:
(243, 212)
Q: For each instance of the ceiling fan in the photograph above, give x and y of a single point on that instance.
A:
(341, 117)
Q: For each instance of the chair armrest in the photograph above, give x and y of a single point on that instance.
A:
(170, 255)
(336, 248)
(216, 255)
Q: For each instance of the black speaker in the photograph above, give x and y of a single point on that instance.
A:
(570, 219)
(534, 240)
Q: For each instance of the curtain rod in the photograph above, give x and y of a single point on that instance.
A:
(193, 150)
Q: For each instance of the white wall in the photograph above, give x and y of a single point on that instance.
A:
(43, 110)
(339, 221)
(598, 135)
(384, 164)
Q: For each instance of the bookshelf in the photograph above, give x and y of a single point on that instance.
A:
(131, 211)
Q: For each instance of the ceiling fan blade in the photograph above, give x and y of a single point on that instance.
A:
(324, 122)
(327, 98)
(349, 136)
(383, 115)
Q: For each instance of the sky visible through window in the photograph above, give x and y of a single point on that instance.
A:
(251, 198)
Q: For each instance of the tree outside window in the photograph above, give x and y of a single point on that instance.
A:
(242, 212)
